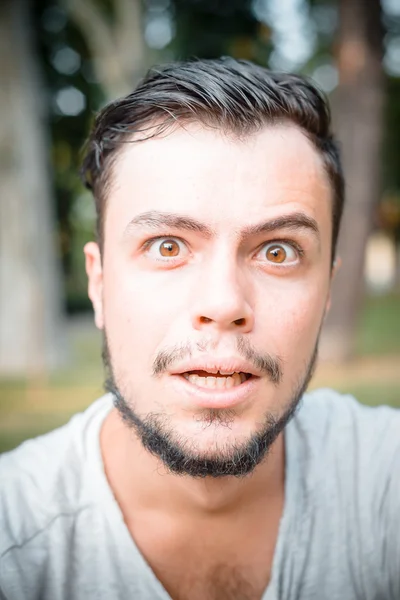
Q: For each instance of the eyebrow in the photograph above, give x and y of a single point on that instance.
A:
(158, 220)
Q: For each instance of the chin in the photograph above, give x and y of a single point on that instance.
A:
(207, 443)
(214, 434)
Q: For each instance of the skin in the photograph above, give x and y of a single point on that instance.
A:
(218, 287)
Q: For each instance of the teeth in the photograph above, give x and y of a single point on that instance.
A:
(218, 383)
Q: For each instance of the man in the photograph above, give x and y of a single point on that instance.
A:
(219, 194)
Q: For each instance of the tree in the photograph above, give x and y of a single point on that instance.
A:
(111, 33)
(211, 28)
(115, 41)
(30, 291)
(358, 112)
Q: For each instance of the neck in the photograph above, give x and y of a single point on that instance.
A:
(140, 482)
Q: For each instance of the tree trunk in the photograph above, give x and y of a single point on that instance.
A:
(30, 291)
(396, 242)
(358, 118)
(119, 53)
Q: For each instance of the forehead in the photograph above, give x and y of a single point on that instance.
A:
(203, 172)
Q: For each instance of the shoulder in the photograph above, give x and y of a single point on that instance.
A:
(43, 479)
(337, 428)
(347, 455)
(351, 456)
(337, 418)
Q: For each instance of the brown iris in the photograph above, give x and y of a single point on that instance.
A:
(169, 248)
(276, 254)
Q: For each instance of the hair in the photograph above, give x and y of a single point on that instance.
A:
(235, 96)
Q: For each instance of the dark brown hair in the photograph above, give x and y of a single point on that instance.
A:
(235, 96)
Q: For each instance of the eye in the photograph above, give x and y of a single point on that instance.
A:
(279, 253)
(164, 248)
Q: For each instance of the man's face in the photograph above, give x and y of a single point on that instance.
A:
(216, 258)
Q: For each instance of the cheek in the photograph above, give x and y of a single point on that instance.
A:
(140, 309)
(294, 319)
(137, 295)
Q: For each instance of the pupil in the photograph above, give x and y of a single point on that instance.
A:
(277, 254)
(169, 249)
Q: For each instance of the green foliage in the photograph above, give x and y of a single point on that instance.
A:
(31, 407)
(209, 29)
(202, 28)
(56, 33)
(379, 326)
(391, 147)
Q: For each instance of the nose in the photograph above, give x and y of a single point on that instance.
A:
(220, 299)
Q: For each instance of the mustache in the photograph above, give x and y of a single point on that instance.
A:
(268, 364)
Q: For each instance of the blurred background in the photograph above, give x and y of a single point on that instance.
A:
(61, 60)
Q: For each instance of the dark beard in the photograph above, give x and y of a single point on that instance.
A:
(161, 440)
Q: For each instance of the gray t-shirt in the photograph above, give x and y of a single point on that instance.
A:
(63, 537)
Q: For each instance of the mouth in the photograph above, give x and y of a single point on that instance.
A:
(216, 381)
(216, 390)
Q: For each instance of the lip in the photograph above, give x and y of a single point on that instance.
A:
(215, 398)
(215, 365)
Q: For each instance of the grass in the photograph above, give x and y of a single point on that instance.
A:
(30, 407)
(379, 326)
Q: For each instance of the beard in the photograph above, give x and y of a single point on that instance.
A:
(178, 454)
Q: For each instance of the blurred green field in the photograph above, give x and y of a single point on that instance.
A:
(33, 406)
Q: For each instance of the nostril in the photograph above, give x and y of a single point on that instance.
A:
(239, 321)
(205, 320)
